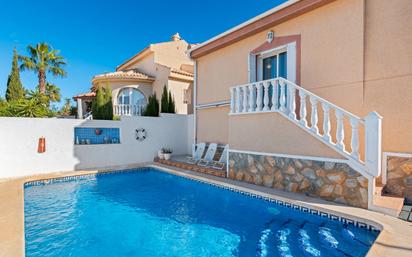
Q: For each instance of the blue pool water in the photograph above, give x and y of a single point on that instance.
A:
(152, 213)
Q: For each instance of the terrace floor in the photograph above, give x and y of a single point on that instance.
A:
(394, 240)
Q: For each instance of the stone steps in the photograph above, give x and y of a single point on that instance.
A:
(390, 205)
(386, 203)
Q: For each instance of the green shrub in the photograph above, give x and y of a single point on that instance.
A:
(33, 108)
(152, 108)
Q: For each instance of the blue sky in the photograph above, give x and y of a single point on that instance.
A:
(96, 36)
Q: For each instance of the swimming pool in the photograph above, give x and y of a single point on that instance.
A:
(147, 212)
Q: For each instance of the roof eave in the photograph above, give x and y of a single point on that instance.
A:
(289, 9)
(117, 79)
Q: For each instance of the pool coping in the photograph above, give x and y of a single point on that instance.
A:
(395, 238)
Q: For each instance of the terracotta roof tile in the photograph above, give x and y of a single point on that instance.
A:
(181, 72)
(85, 95)
(126, 74)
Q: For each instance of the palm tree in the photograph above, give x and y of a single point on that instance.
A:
(43, 59)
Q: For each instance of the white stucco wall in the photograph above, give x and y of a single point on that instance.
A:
(18, 147)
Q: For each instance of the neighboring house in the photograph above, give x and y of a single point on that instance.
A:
(340, 60)
(158, 65)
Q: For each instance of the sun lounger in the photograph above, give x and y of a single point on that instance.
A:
(222, 161)
(200, 148)
(210, 153)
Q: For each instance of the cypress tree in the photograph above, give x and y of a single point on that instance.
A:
(98, 104)
(15, 90)
(164, 102)
(108, 103)
(171, 104)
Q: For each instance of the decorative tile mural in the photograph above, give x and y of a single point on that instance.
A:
(399, 177)
(93, 136)
(336, 182)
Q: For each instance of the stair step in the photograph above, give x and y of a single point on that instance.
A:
(390, 205)
(378, 190)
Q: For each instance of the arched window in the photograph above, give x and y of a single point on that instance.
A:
(131, 96)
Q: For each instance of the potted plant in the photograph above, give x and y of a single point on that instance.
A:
(160, 154)
(167, 152)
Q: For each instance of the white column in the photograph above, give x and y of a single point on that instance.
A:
(303, 111)
(292, 102)
(259, 97)
(232, 100)
(245, 102)
(314, 115)
(266, 97)
(238, 106)
(326, 123)
(373, 144)
(282, 97)
(251, 98)
(340, 133)
(79, 108)
(274, 95)
(354, 144)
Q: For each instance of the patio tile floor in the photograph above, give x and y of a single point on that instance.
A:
(406, 213)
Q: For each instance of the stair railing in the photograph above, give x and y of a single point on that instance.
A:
(290, 100)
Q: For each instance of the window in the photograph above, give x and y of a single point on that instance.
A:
(131, 96)
(277, 62)
(272, 65)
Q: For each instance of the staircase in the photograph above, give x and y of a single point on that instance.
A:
(302, 107)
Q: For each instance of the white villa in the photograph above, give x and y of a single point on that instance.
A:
(147, 72)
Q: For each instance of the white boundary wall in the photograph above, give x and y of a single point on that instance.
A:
(19, 142)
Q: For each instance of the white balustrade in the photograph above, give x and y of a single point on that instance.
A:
(354, 144)
(251, 98)
(245, 102)
(254, 98)
(292, 103)
(128, 109)
(238, 100)
(340, 133)
(314, 115)
(266, 96)
(282, 97)
(274, 95)
(303, 111)
(259, 101)
(326, 123)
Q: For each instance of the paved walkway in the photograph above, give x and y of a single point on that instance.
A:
(406, 214)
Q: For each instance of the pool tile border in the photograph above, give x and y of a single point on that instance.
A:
(333, 217)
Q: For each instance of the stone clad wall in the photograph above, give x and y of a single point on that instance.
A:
(331, 181)
(399, 177)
